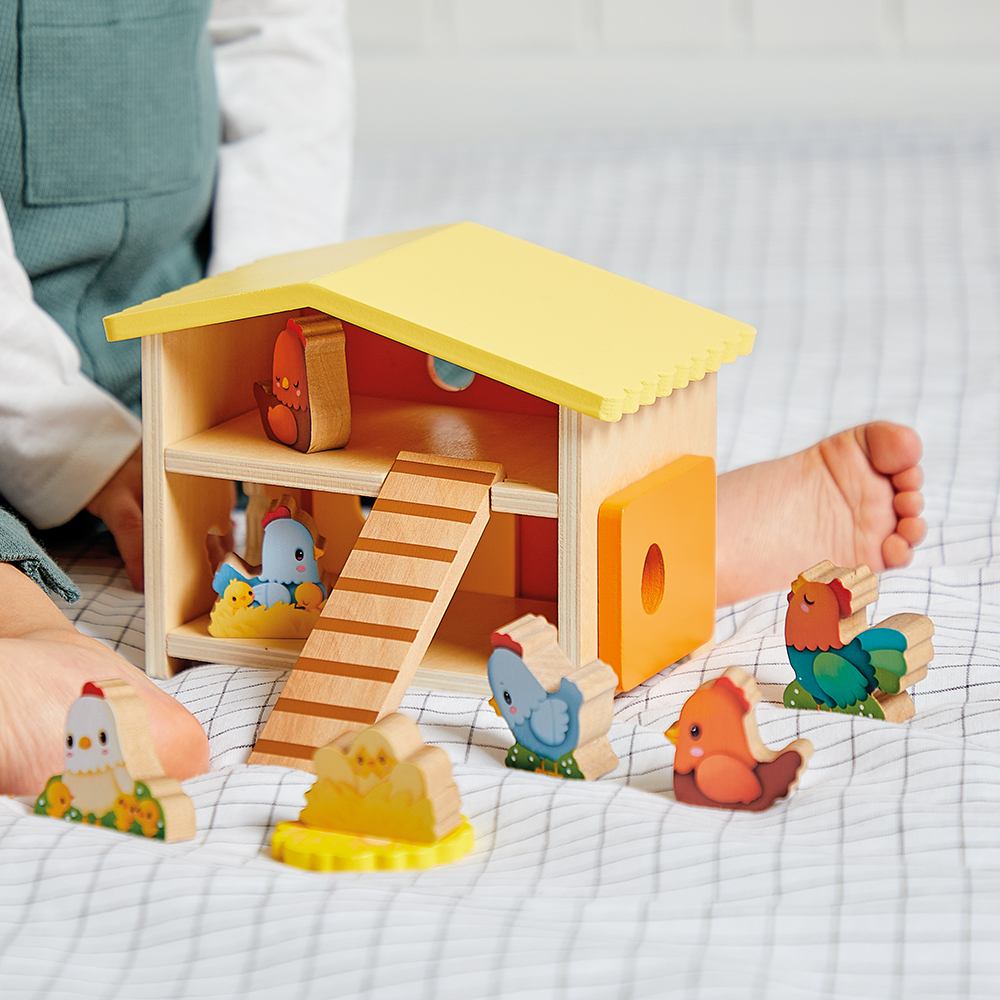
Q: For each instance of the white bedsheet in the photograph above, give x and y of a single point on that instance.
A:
(870, 261)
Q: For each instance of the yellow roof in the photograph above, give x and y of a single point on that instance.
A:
(505, 308)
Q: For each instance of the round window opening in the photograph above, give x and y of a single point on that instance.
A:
(653, 577)
(448, 376)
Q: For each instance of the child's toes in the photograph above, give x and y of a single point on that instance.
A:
(909, 479)
(912, 529)
(896, 551)
(892, 448)
(180, 741)
(910, 504)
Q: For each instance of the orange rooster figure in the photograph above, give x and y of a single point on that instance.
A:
(289, 383)
(721, 760)
(306, 404)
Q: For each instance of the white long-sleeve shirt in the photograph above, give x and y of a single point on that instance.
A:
(285, 85)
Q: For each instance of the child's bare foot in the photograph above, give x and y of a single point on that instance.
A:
(44, 663)
(853, 498)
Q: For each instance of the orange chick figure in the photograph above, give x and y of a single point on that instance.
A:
(721, 760)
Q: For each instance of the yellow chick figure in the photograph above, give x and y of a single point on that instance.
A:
(384, 782)
(371, 759)
(238, 594)
(382, 799)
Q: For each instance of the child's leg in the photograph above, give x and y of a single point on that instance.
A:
(44, 662)
(853, 498)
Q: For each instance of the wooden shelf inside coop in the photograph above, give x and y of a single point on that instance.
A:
(526, 446)
(455, 661)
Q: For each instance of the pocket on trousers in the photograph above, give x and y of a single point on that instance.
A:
(112, 110)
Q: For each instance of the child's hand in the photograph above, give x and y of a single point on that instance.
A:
(119, 505)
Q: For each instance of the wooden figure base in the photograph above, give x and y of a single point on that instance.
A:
(776, 782)
(138, 812)
(887, 707)
(591, 761)
(328, 851)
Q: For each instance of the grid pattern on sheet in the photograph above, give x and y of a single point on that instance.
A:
(870, 264)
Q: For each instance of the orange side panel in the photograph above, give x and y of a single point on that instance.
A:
(656, 569)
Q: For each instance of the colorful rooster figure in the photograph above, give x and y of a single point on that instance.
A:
(306, 404)
(720, 759)
(842, 665)
(559, 715)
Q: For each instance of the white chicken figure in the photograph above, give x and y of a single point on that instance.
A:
(95, 771)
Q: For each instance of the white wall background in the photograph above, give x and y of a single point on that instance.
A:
(452, 70)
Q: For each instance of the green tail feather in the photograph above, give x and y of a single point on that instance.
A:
(890, 668)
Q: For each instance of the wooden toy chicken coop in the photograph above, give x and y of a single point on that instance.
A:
(559, 425)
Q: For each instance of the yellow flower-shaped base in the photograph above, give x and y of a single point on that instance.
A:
(328, 851)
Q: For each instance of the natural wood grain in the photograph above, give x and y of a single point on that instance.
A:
(454, 661)
(236, 449)
(329, 395)
(191, 381)
(158, 663)
(143, 763)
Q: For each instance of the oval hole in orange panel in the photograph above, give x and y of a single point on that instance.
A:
(653, 576)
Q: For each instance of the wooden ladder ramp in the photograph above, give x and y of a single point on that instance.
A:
(384, 609)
